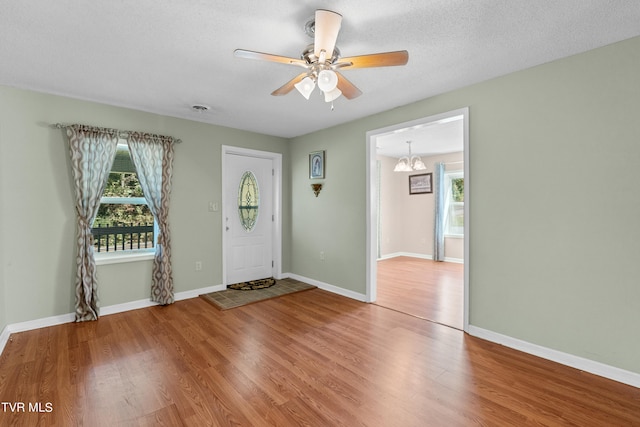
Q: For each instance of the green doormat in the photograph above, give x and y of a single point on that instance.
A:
(232, 298)
(253, 284)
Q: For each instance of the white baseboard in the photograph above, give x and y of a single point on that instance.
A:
(4, 338)
(420, 256)
(104, 311)
(587, 365)
(143, 303)
(126, 306)
(41, 323)
(330, 288)
(179, 296)
(408, 254)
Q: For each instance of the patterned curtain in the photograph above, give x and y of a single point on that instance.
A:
(92, 152)
(153, 158)
(438, 232)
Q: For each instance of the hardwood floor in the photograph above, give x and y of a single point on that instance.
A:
(312, 358)
(423, 288)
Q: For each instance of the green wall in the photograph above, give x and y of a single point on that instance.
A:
(38, 217)
(554, 237)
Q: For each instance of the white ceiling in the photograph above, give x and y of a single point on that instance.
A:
(427, 139)
(163, 56)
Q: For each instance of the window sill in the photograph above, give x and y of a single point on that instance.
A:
(124, 256)
(454, 236)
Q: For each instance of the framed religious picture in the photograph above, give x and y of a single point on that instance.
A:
(420, 184)
(316, 165)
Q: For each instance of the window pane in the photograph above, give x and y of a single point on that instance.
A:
(122, 184)
(455, 205)
(456, 219)
(248, 200)
(120, 227)
(123, 180)
(457, 189)
(128, 214)
(124, 221)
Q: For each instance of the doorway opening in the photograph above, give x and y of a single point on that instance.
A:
(428, 138)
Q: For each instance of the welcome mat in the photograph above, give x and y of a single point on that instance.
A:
(253, 284)
(232, 298)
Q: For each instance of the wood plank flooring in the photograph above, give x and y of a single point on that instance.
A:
(312, 358)
(423, 288)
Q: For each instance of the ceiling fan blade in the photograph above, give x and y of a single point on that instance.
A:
(289, 86)
(326, 31)
(386, 59)
(250, 54)
(347, 88)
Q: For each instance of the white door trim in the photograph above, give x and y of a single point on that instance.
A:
(277, 205)
(372, 203)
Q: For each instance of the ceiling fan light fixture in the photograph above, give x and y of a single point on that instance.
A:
(332, 95)
(305, 86)
(327, 80)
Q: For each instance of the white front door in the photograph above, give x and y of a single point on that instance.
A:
(248, 218)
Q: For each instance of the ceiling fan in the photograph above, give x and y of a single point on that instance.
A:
(321, 61)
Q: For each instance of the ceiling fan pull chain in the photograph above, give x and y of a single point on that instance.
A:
(331, 105)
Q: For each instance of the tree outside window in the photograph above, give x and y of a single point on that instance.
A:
(454, 204)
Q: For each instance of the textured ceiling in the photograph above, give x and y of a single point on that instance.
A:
(163, 56)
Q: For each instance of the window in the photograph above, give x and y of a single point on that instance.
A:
(248, 200)
(124, 221)
(454, 204)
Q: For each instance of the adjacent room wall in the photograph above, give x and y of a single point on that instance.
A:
(407, 221)
(553, 156)
(38, 216)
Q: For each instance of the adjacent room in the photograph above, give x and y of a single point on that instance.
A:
(155, 153)
(420, 177)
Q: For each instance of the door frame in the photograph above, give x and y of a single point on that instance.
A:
(372, 202)
(276, 230)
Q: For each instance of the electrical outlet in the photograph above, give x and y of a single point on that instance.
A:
(198, 265)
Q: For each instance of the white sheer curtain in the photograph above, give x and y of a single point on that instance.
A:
(92, 152)
(438, 233)
(153, 159)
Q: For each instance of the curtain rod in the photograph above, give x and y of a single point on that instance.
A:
(121, 133)
(453, 163)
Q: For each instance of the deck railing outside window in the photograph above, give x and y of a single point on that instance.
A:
(122, 237)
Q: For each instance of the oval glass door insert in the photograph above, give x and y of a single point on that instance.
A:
(248, 200)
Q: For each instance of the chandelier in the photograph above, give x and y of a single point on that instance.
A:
(409, 163)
